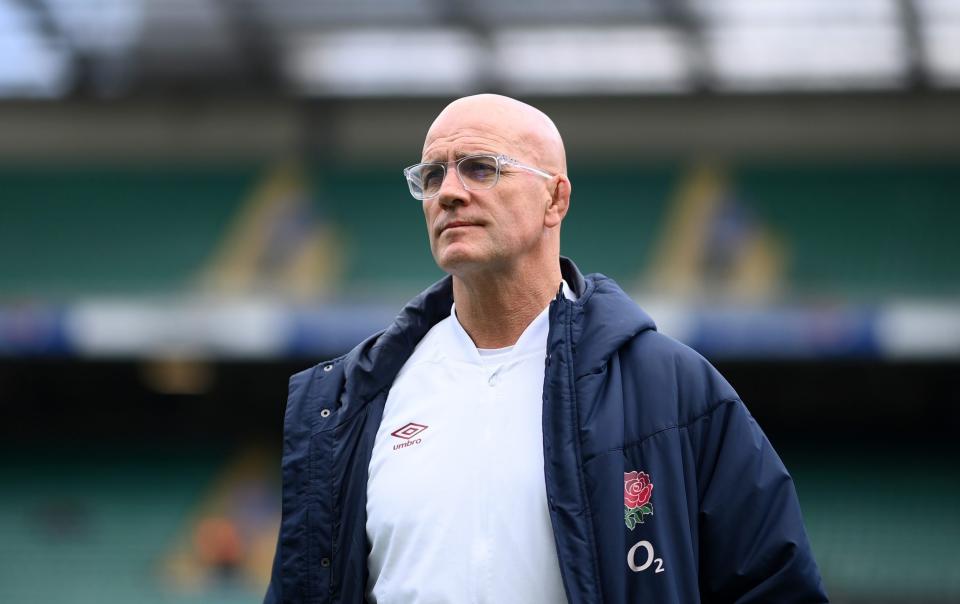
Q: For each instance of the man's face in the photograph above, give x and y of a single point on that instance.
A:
(486, 229)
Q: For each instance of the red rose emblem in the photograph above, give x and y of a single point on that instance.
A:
(637, 489)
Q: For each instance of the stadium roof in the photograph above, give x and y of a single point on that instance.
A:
(114, 48)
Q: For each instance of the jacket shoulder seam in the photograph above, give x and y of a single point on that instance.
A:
(637, 443)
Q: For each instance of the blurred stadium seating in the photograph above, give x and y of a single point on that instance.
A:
(199, 198)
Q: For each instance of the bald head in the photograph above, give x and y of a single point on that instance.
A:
(511, 229)
(525, 131)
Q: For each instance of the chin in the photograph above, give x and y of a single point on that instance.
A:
(453, 259)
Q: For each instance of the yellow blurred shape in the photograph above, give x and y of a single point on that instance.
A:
(259, 255)
(682, 255)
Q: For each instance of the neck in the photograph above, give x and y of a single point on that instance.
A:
(495, 307)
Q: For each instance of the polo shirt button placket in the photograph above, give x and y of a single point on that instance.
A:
(494, 378)
(484, 546)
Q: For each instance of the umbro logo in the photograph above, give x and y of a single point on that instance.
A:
(409, 431)
(406, 433)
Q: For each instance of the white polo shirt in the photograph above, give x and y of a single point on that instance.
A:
(456, 498)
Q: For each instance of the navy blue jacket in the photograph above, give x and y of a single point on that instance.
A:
(722, 522)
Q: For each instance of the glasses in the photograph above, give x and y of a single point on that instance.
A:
(476, 173)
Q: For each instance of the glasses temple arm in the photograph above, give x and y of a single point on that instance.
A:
(512, 162)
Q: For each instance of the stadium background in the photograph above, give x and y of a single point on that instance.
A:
(198, 198)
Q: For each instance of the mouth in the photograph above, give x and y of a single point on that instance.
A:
(457, 224)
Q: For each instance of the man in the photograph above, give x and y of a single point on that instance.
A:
(522, 433)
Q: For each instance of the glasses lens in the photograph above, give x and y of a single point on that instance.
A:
(425, 180)
(413, 181)
(431, 178)
(478, 172)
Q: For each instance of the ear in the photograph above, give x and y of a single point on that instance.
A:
(559, 201)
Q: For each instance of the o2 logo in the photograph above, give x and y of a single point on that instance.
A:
(646, 558)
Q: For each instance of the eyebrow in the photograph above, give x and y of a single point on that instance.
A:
(457, 155)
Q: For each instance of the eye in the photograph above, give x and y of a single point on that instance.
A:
(431, 176)
(479, 169)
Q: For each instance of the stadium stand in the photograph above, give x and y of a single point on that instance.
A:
(86, 528)
(127, 230)
(67, 231)
(99, 529)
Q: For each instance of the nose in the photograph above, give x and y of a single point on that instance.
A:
(452, 192)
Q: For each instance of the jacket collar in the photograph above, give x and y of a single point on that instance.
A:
(373, 365)
(602, 319)
(602, 311)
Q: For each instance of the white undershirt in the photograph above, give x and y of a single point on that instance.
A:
(456, 504)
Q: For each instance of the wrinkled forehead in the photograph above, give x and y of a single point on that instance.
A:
(457, 133)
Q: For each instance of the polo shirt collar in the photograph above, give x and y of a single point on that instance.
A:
(533, 338)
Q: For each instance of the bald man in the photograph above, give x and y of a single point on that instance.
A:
(521, 432)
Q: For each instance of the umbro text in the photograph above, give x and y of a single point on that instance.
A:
(408, 443)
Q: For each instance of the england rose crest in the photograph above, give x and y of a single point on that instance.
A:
(637, 490)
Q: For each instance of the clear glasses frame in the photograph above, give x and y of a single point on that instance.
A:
(415, 183)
